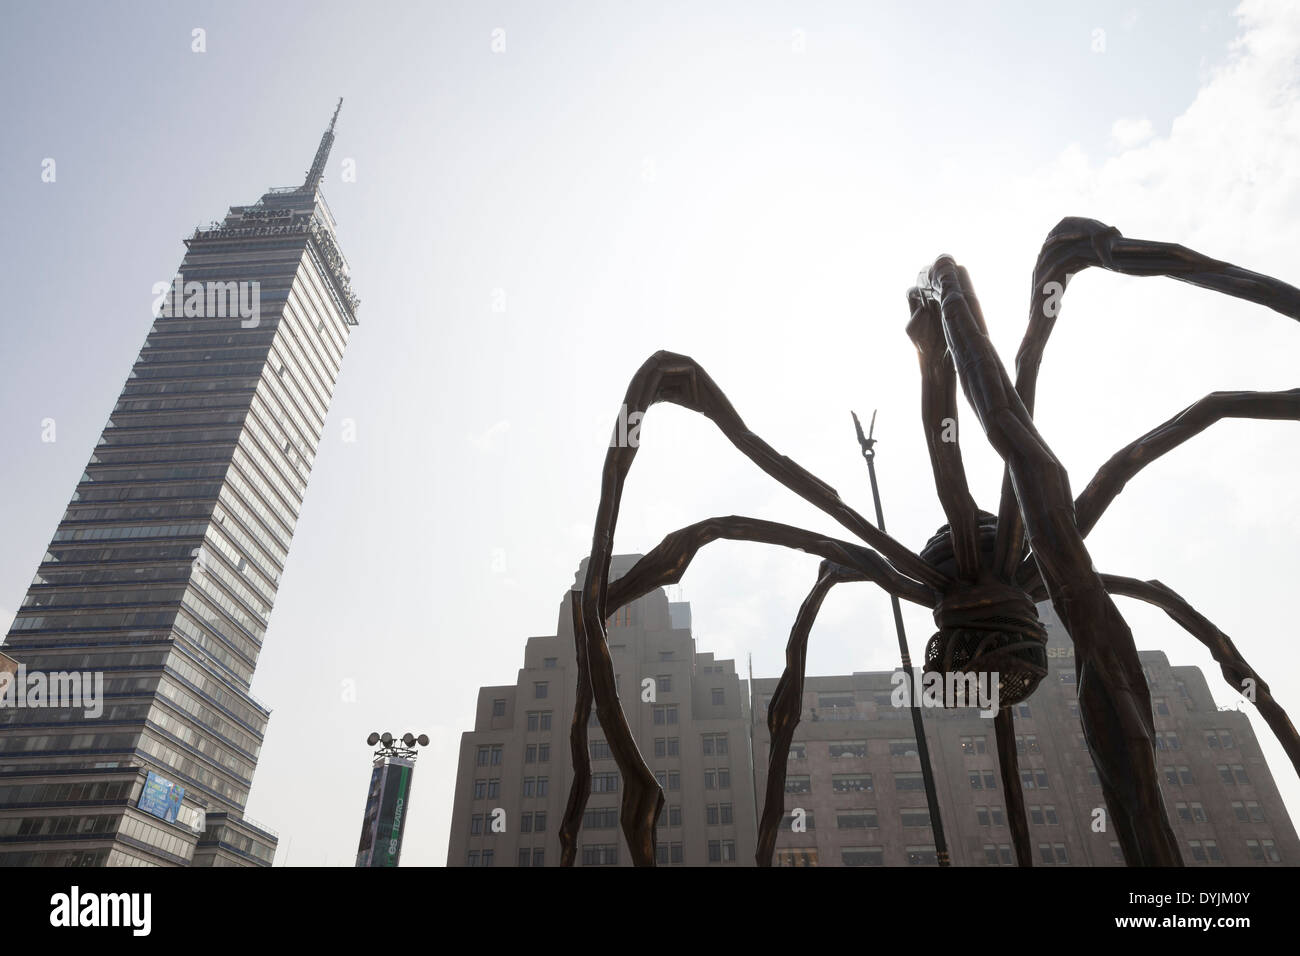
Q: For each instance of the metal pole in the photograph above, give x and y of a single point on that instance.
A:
(868, 444)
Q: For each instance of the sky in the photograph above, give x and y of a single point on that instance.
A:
(545, 195)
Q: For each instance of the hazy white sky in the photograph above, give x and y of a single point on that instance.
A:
(755, 186)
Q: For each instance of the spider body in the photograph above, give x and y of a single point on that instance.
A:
(981, 575)
(988, 627)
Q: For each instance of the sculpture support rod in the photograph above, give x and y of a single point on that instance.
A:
(918, 727)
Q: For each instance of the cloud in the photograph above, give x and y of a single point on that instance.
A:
(1127, 133)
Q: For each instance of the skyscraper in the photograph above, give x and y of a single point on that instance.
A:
(161, 575)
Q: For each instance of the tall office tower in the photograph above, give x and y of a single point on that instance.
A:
(855, 774)
(515, 771)
(162, 573)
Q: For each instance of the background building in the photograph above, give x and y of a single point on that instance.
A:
(163, 571)
(694, 736)
(853, 768)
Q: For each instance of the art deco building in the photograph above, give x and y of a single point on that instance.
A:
(515, 766)
(163, 571)
(853, 771)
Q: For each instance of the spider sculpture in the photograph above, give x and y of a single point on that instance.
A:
(981, 574)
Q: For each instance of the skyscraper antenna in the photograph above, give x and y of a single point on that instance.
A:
(317, 171)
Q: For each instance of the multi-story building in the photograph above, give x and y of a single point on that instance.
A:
(855, 775)
(161, 575)
(854, 790)
(515, 770)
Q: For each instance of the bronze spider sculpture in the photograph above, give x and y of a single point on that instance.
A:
(980, 574)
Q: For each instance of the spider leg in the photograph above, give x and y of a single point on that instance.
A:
(1115, 704)
(580, 789)
(1009, 763)
(666, 376)
(1234, 667)
(1190, 422)
(666, 564)
(1076, 244)
(787, 705)
(938, 408)
(1129, 460)
(669, 560)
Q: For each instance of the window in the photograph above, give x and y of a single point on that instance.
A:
(543, 753)
(540, 720)
(473, 857)
(798, 751)
(543, 785)
(476, 824)
(540, 689)
(897, 748)
(997, 854)
(1161, 705)
(530, 753)
(909, 781)
(665, 714)
(600, 750)
(483, 753)
(1198, 852)
(921, 856)
(1212, 851)
(494, 787)
(722, 851)
(600, 818)
(982, 780)
(604, 783)
(525, 856)
(1034, 779)
(1261, 850)
(549, 662)
(717, 744)
(849, 748)
(670, 815)
(793, 784)
(796, 856)
(916, 818)
(667, 746)
(719, 698)
(664, 683)
(711, 815)
(525, 823)
(600, 854)
(1022, 710)
(480, 789)
(856, 820)
(496, 756)
(1050, 854)
(863, 856)
(724, 778)
(672, 780)
(666, 853)
(977, 745)
(539, 822)
(1240, 773)
(530, 787)
(852, 783)
(499, 707)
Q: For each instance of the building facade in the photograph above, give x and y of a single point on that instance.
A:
(854, 789)
(514, 773)
(160, 578)
(855, 775)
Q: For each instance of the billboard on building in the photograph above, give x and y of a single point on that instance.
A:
(386, 806)
(161, 797)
